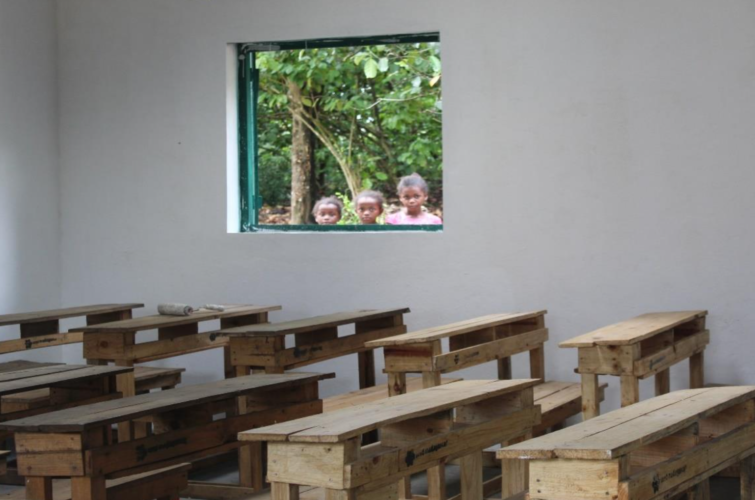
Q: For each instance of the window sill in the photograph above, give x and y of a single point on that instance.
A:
(314, 228)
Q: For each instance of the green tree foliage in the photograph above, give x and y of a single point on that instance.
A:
(375, 112)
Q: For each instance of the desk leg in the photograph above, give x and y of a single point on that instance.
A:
(396, 383)
(537, 363)
(630, 390)
(251, 468)
(514, 477)
(229, 370)
(396, 387)
(38, 488)
(504, 368)
(590, 396)
(662, 383)
(471, 476)
(701, 491)
(747, 478)
(436, 474)
(127, 387)
(430, 379)
(367, 379)
(366, 369)
(697, 371)
(284, 491)
(436, 483)
(88, 488)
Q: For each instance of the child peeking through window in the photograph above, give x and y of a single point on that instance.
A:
(412, 191)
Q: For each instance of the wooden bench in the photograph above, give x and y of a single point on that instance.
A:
(262, 347)
(639, 348)
(41, 329)
(146, 379)
(496, 337)
(419, 431)
(68, 386)
(655, 449)
(191, 423)
(177, 335)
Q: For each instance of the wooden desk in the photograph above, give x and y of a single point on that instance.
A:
(42, 328)
(651, 450)
(191, 423)
(316, 339)
(496, 337)
(638, 348)
(177, 335)
(419, 431)
(67, 386)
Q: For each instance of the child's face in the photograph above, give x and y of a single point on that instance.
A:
(327, 214)
(368, 210)
(413, 198)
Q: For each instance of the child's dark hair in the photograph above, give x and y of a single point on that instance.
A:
(376, 195)
(329, 200)
(413, 180)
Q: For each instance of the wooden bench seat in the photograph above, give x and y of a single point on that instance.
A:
(371, 394)
(419, 431)
(638, 348)
(655, 449)
(146, 377)
(191, 423)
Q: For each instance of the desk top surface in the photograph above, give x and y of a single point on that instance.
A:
(160, 321)
(67, 312)
(346, 423)
(27, 379)
(119, 410)
(453, 329)
(633, 330)
(313, 323)
(619, 432)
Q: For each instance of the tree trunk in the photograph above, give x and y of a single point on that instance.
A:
(301, 161)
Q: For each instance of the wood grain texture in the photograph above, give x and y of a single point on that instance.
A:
(67, 312)
(158, 321)
(634, 330)
(314, 323)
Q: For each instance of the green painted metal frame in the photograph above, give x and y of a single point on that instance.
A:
(248, 90)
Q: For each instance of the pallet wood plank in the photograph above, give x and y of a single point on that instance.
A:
(100, 414)
(312, 324)
(66, 312)
(634, 330)
(157, 321)
(453, 329)
(622, 431)
(350, 422)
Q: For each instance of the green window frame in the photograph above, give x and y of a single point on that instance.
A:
(248, 90)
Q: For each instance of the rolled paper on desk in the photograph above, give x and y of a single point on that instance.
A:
(214, 307)
(175, 309)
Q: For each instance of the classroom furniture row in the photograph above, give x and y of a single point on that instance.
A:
(250, 344)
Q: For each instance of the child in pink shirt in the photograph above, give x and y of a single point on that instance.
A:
(412, 191)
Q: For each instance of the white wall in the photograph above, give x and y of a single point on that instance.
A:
(29, 187)
(598, 159)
